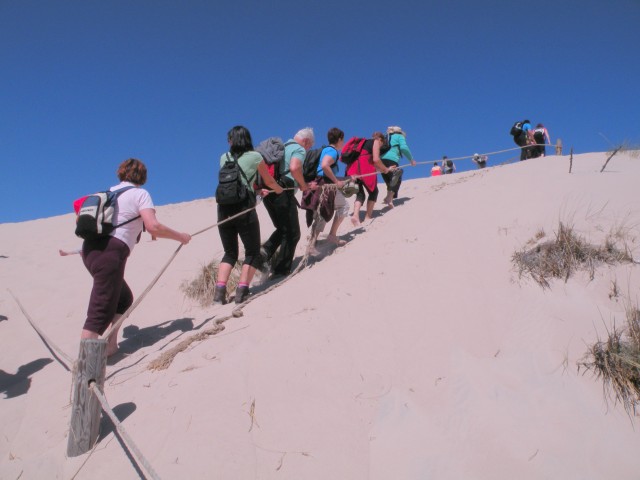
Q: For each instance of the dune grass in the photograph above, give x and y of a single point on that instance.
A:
(616, 361)
(201, 288)
(567, 253)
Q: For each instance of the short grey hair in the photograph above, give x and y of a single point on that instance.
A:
(306, 133)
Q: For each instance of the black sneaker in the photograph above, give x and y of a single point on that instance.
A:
(220, 295)
(242, 293)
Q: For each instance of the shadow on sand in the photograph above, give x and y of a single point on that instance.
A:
(16, 384)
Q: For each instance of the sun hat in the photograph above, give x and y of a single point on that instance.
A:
(396, 129)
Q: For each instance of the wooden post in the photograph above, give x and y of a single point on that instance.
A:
(614, 152)
(559, 147)
(571, 160)
(85, 407)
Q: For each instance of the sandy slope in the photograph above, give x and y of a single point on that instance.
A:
(415, 351)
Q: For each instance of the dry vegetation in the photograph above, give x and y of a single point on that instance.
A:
(617, 362)
(567, 253)
(617, 359)
(201, 288)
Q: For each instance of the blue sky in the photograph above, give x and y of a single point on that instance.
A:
(87, 84)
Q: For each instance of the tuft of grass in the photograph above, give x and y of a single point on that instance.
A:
(561, 256)
(616, 361)
(615, 291)
(540, 234)
(201, 288)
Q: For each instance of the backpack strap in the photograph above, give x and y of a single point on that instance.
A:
(117, 193)
(231, 159)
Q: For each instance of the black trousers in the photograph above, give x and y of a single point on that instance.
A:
(388, 176)
(528, 151)
(246, 226)
(283, 210)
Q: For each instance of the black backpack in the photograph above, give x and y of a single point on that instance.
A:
(387, 146)
(516, 129)
(310, 164)
(538, 135)
(231, 189)
(95, 215)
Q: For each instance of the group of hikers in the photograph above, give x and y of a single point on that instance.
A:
(275, 171)
(531, 140)
(447, 166)
(112, 222)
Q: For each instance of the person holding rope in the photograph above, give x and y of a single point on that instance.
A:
(365, 169)
(283, 207)
(246, 226)
(524, 139)
(397, 148)
(448, 167)
(106, 258)
(327, 175)
(480, 160)
(541, 137)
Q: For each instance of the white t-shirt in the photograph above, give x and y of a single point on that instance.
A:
(129, 205)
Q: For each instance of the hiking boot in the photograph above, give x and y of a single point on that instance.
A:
(220, 295)
(242, 293)
(264, 263)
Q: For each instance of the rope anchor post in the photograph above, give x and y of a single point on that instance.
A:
(85, 408)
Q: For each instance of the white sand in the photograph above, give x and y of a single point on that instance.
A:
(413, 352)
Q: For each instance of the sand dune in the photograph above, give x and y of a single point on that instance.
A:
(413, 352)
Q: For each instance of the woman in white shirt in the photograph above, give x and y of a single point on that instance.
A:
(106, 258)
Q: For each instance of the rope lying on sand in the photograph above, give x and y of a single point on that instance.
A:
(164, 361)
(52, 347)
(130, 443)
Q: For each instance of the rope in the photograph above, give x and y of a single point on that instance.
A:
(133, 306)
(132, 446)
(52, 347)
(430, 162)
(237, 311)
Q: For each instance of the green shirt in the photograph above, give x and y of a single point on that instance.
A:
(398, 148)
(294, 150)
(248, 162)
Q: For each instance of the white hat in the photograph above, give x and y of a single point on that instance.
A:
(396, 129)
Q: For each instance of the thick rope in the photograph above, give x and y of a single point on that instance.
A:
(133, 306)
(468, 157)
(52, 347)
(132, 446)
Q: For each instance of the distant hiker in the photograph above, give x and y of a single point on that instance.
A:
(436, 170)
(397, 148)
(448, 167)
(246, 226)
(105, 258)
(522, 138)
(368, 164)
(480, 160)
(326, 174)
(283, 208)
(541, 137)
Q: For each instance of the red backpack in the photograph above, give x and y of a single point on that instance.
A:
(352, 149)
